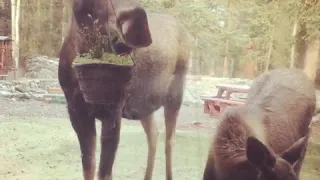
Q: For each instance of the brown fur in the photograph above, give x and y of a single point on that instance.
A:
(158, 79)
(266, 138)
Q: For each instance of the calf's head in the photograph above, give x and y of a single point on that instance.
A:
(124, 20)
(271, 166)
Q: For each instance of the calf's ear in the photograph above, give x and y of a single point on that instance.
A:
(259, 155)
(132, 21)
(296, 151)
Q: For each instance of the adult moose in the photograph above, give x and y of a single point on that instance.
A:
(266, 138)
(160, 47)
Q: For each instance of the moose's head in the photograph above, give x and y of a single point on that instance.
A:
(271, 166)
(124, 22)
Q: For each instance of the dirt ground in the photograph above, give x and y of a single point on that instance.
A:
(38, 143)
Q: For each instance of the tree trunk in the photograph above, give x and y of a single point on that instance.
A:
(52, 15)
(17, 38)
(270, 50)
(226, 58)
(13, 32)
(312, 59)
(39, 16)
(7, 18)
(293, 46)
(57, 24)
(38, 29)
(249, 70)
(190, 65)
(196, 58)
(64, 20)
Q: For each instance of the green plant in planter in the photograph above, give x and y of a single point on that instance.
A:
(94, 39)
(107, 58)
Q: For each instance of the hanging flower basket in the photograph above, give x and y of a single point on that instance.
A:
(103, 81)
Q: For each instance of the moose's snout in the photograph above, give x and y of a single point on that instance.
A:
(116, 44)
(121, 48)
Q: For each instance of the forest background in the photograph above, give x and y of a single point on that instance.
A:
(231, 38)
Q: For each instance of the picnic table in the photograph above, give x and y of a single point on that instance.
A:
(3, 74)
(215, 105)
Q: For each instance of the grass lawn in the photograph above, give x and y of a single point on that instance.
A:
(47, 149)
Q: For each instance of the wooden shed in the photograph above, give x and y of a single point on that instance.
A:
(6, 61)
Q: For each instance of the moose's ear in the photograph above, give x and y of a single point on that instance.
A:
(135, 28)
(296, 151)
(82, 9)
(259, 155)
(132, 21)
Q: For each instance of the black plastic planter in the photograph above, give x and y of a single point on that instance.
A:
(102, 83)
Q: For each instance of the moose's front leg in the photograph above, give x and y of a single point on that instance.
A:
(86, 132)
(110, 135)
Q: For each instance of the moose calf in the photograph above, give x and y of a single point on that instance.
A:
(160, 47)
(266, 138)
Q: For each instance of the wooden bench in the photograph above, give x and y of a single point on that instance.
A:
(215, 105)
(3, 77)
(3, 74)
(231, 88)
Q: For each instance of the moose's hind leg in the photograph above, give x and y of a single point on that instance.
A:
(171, 111)
(152, 133)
